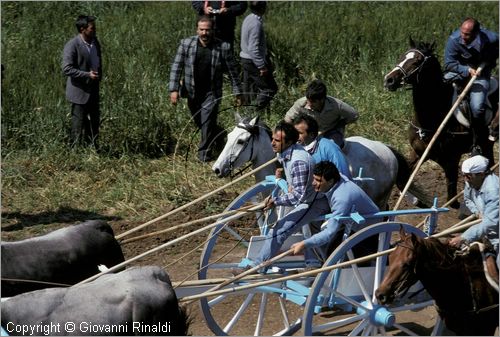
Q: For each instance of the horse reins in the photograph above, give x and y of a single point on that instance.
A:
(406, 75)
(231, 162)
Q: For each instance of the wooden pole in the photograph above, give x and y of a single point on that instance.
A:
(203, 197)
(170, 243)
(189, 223)
(249, 271)
(308, 273)
(436, 135)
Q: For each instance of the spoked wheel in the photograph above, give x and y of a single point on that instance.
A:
(267, 310)
(343, 302)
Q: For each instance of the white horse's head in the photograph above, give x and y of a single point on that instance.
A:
(239, 148)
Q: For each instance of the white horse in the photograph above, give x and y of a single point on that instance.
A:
(251, 141)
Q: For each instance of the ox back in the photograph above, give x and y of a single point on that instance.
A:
(137, 301)
(66, 256)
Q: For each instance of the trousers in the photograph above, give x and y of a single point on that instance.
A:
(301, 215)
(85, 120)
(204, 110)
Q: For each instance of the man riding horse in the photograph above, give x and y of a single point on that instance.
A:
(467, 49)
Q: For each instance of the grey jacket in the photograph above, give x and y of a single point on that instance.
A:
(76, 65)
(222, 59)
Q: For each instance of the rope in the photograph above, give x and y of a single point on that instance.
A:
(35, 281)
(220, 258)
(434, 138)
(203, 197)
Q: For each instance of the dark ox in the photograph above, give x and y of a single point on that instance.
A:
(137, 301)
(63, 257)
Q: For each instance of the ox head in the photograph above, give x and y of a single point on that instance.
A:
(400, 274)
(239, 148)
(408, 66)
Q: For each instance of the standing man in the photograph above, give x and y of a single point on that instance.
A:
(258, 76)
(224, 14)
(331, 113)
(467, 49)
(319, 147)
(83, 66)
(203, 59)
(344, 197)
(481, 198)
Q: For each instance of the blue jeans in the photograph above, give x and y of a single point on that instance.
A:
(477, 94)
(301, 215)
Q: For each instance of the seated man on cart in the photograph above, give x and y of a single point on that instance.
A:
(341, 196)
(344, 197)
(307, 204)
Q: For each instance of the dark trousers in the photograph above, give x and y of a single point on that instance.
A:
(204, 110)
(263, 88)
(85, 120)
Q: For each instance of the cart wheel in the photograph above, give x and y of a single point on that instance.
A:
(253, 311)
(343, 301)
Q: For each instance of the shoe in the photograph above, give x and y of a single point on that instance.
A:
(311, 268)
(476, 150)
(238, 271)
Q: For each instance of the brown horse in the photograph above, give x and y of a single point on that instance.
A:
(457, 283)
(432, 100)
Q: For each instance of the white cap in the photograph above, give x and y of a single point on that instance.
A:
(476, 164)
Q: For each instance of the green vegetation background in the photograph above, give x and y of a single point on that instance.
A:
(350, 45)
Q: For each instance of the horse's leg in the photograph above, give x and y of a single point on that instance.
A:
(450, 167)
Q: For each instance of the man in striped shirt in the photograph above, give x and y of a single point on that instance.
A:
(307, 204)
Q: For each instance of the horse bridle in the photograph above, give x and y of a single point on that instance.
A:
(404, 279)
(407, 75)
(231, 161)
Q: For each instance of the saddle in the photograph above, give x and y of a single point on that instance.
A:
(462, 112)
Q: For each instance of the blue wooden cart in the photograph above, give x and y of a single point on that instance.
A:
(340, 301)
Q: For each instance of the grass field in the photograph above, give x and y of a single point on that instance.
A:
(137, 176)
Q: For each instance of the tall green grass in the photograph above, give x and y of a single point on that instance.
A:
(350, 45)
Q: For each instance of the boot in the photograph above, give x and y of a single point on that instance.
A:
(479, 131)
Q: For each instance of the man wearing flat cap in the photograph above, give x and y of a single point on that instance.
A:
(481, 198)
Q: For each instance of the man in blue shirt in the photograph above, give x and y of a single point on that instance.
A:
(320, 148)
(467, 49)
(344, 197)
(481, 198)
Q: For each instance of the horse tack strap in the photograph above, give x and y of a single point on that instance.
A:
(469, 312)
(422, 132)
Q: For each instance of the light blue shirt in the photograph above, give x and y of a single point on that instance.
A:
(326, 149)
(483, 202)
(344, 198)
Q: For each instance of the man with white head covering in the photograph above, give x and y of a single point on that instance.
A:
(481, 198)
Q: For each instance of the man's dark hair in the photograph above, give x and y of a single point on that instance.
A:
(256, 7)
(83, 21)
(327, 170)
(291, 134)
(476, 26)
(316, 90)
(312, 124)
(204, 18)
